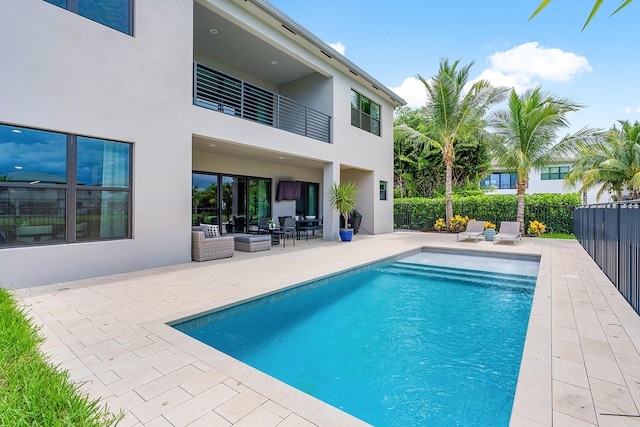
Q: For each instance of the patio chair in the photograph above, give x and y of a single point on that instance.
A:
(475, 229)
(508, 231)
(263, 225)
(289, 230)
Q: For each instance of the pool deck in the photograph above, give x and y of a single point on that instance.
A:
(581, 362)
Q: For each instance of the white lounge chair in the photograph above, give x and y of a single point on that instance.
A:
(508, 231)
(475, 229)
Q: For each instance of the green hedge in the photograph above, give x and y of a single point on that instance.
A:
(553, 210)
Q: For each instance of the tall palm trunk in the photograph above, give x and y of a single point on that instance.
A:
(448, 162)
(521, 187)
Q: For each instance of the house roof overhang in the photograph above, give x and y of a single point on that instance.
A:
(323, 51)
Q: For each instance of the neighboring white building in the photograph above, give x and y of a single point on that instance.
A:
(548, 180)
(115, 114)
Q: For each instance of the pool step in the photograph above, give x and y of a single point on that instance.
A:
(464, 275)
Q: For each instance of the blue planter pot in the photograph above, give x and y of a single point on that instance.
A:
(346, 235)
(488, 234)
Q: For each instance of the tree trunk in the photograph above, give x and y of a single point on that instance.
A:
(521, 187)
(448, 161)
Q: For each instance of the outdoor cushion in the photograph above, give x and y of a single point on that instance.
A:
(248, 238)
(210, 230)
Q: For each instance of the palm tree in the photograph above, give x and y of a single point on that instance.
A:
(452, 114)
(525, 136)
(596, 6)
(612, 163)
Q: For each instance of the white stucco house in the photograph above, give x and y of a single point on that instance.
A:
(548, 180)
(123, 122)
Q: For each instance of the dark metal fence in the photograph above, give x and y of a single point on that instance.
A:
(610, 233)
(558, 218)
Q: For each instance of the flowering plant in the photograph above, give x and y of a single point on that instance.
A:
(458, 223)
(489, 224)
(440, 225)
(535, 228)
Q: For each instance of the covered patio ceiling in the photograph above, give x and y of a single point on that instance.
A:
(240, 151)
(218, 37)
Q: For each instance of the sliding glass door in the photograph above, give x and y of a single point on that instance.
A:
(232, 202)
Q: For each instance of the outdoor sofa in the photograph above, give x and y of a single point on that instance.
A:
(206, 247)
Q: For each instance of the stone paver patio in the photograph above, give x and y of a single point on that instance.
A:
(581, 363)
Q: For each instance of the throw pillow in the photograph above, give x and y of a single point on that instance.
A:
(210, 231)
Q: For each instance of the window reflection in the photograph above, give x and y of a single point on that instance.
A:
(32, 156)
(102, 163)
(102, 215)
(32, 215)
(37, 181)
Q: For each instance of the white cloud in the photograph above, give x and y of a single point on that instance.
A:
(413, 91)
(521, 66)
(341, 48)
(631, 111)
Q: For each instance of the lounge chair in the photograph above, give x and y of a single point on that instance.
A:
(475, 229)
(508, 231)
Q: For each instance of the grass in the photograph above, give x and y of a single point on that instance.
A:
(33, 392)
(558, 236)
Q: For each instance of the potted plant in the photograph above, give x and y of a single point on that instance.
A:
(343, 199)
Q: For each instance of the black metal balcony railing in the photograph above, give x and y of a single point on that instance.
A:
(229, 95)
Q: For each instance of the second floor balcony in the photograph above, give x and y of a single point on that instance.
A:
(227, 94)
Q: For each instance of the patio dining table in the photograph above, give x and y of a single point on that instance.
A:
(306, 225)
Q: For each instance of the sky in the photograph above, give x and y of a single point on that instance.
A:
(394, 42)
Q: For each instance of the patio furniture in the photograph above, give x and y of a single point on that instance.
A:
(206, 249)
(475, 230)
(508, 231)
(289, 230)
(33, 233)
(252, 242)
(355, 218)
(263, 225)
(306, 225)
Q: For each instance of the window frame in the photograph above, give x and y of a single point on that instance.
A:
(363, 114)
(71, 188)
(383, 190)
(499, 175)
(72, 6)
(553, 173)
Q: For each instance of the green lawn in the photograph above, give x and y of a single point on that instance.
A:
(557, 236)
(33, 392)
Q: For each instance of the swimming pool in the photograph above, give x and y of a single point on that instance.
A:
(399, 344)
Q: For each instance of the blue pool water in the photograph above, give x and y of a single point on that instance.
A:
(402, 344)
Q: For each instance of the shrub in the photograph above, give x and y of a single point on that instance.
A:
(440, 225)
(535, 229)
(458, 223)
(489, 224)
(554, 210)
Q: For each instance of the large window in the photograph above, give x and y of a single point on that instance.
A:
(365, 113)
(61, 188)
(500, 180)
(117, 14)
(556, 172)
